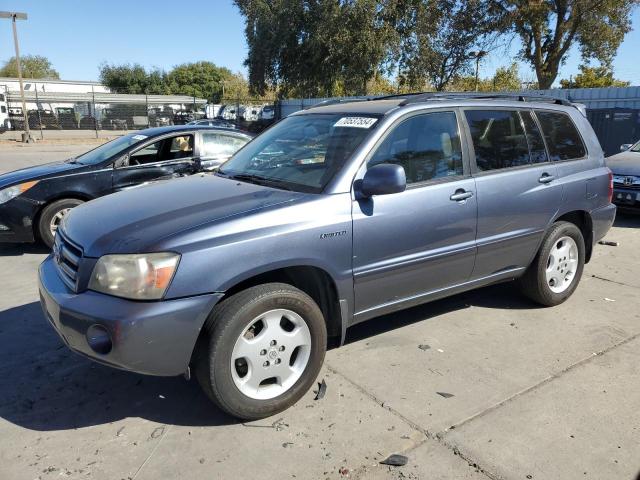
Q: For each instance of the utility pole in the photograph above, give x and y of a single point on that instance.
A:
(26, 137)
(477, 55)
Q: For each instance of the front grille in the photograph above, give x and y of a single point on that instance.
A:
(627, 182)
(67, 257)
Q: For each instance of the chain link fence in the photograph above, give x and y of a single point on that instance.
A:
(69, 115)
(250, 114)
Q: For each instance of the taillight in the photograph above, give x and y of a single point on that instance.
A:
(610, 186)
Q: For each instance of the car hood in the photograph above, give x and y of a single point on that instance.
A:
(38, 172)
(625, 163)
(137, 220)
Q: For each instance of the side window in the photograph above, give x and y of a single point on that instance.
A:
(563, 140)
(180, 147)
(4, 109)
(426, 146)
(536, 145)
(148, 154)
(498, 139)
(216, 144)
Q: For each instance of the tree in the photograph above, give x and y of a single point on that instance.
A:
(316, 47)
(549, 28)
(505, 79)
(437, 39)
(133, 78)
(199, 79)
(593, 77)
(33, 66)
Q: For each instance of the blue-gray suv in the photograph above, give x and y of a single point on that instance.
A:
(336, 215)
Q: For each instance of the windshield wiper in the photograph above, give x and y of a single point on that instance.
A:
(258, 180)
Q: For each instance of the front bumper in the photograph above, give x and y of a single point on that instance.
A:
(154, 338)
(626, 198)
(16, 220)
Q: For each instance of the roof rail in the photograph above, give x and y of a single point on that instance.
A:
(422, 97)
(333, 101)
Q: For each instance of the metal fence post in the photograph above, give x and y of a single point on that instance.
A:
(95, 114)
(38, 110)
(146, 101)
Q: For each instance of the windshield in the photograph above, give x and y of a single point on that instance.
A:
(301, 153)
(109, 149)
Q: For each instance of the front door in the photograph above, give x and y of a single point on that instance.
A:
(518, 189)
(409, 245)
(159, 160)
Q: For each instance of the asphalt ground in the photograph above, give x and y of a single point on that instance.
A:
(534, 393)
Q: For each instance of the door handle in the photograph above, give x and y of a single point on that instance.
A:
(460, 195)
(546, 178)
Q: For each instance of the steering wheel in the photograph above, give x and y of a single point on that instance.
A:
(133, 161)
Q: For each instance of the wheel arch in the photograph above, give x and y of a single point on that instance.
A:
(54, 198)
(314, 281)
(582, 220)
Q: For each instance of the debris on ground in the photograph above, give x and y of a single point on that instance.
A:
(609, 299)
(287, 444)
(395, 460)
(424, 346)
(608, 243)
(119, 432)
(322, 389)
(445, 394)
(440, 350)
(343, 471)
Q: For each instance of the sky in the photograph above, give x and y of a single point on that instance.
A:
(77, 36)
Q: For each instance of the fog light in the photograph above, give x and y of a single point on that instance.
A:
(99, 339)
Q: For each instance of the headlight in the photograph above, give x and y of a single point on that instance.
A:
(140, 276)
(8, 193)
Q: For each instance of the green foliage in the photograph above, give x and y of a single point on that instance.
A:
(314, 48)
(593, 77)
(436, 39)
(200, 79)
(33, 66)
(506, 79)
(549, 28)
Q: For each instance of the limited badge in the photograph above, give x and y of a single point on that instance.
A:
(356, 122)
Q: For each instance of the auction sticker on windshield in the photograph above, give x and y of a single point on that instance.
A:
(356, 122)
(139, 137)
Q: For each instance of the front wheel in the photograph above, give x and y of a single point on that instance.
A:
(261, 350)
(556, 271)
(51, 217)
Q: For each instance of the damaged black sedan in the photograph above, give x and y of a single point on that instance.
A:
(34, 200)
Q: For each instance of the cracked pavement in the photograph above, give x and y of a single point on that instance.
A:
(535, 393)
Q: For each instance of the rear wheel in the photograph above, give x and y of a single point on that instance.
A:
(51, 217)
(261, 350)
(556, 271)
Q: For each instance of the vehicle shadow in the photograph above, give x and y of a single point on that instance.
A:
(627, 220)
(500, 296)
(19, 249)
(46, 387)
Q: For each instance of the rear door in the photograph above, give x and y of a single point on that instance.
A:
(409, 245)
(161, 159)
(517, 187)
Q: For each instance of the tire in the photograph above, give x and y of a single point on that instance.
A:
(219, 370)
(565, 269)
(49, 213)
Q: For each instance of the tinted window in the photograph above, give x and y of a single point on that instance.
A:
(537, 150)
(563, 140)
(217, 144)
(302, 152)
(166, 149)
(109, 149)
(426, 146)
(498, 139)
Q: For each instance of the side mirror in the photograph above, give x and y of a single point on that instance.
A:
(383, 179)
(209, 165)
(625, 146)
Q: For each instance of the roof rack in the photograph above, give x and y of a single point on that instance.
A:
(333, 101)
(422, 97)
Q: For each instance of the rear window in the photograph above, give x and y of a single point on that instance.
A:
(562, 137)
